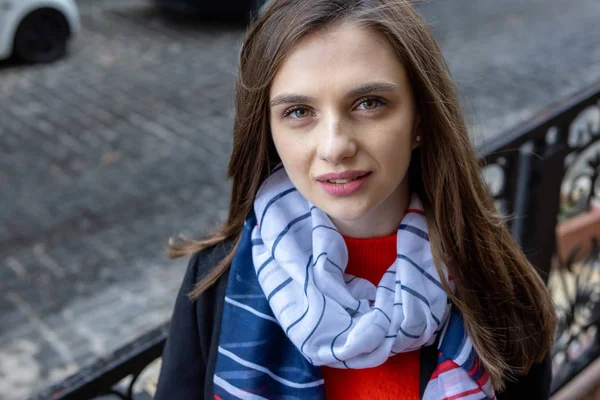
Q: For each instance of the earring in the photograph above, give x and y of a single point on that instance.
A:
(418, 138)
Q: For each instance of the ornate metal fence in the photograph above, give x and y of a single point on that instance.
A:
(525, 170)
(102, 378)
(545, 179)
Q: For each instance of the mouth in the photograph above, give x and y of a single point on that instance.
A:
(342, 177)
(342, 181)
(341, 186)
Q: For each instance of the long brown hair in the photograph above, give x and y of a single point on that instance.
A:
(506, 308)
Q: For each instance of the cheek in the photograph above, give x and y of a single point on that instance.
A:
(392, 146)
(281, 144)
(292, 152)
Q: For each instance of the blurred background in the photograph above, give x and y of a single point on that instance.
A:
(115, 132)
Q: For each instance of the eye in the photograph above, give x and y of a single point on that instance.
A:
(296, 112)
(370, 103)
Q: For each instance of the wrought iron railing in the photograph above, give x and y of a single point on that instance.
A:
(101, 378)
(577, 297)
(545, 179)
(541, 175)
(524, 170)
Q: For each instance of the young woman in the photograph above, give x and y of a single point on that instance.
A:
(362, 257)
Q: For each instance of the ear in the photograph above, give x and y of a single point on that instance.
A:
(416, 136)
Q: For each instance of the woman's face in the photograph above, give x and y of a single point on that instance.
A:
(344, 124)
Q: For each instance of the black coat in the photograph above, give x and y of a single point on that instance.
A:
(190, 354)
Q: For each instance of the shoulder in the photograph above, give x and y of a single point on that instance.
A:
(534, 385)
(200, 265)
(190, 352)
(203, 261)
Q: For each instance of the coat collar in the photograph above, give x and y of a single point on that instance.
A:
(427, 365)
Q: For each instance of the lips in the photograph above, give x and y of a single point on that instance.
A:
(343, 183)
(341, 176)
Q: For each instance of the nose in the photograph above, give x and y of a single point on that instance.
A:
(336, 141)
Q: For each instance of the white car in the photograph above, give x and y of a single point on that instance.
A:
(37, 31)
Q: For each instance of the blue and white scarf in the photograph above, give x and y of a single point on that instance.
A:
(290, 307)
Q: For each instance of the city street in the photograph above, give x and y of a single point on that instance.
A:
(107, 153)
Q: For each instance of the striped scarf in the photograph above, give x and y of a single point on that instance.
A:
(294, 309)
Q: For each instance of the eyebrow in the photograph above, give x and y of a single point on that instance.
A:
(290, 98)
(373, 88)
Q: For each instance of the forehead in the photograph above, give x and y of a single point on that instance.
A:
(339, 57)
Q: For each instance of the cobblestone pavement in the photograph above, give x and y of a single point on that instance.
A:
(107, 153)
(104, 156)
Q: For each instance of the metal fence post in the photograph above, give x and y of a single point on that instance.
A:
(538, 237)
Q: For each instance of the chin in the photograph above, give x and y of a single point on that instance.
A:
(344, 213)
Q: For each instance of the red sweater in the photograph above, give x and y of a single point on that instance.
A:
(398, 377)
